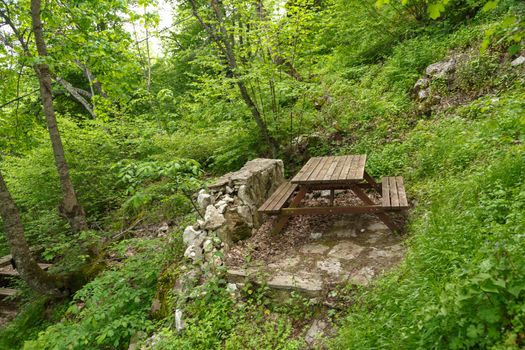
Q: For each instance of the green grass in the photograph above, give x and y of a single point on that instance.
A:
(462, 284)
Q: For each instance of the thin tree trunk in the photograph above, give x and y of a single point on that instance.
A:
(222, 41)
(148, 62)
(70, 208)
(36, 278)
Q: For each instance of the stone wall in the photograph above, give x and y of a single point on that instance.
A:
(229, 207)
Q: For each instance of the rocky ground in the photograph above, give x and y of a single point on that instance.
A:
(315, 253)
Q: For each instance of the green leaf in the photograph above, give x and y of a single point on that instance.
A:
(490, 5)
(435, 10)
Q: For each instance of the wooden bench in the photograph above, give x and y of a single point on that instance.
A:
(277, 200)
(393, 193)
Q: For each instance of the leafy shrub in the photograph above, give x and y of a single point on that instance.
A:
(107, 311)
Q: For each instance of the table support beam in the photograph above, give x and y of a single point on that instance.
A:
(381, 215)
(372, 182)
(282, 220)
(372, 209)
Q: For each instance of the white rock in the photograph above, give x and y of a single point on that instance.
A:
(228, 199)
(518, 61)
(191, 236)
(315, 331)
(194, 253)
(222, 208)
(228, 189)
(325, 193)
(363, 276)
(207, 245)
(179, 322)
(308, 249)
(213, 218)
(422, 94)
(204, 199)
(217, 260)
(441, 69)
(330, 265)
(163, 228)
(422, 83)
(316, 235)
(199, 224)
(231, 288)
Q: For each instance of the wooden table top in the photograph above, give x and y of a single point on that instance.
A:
(331, 170)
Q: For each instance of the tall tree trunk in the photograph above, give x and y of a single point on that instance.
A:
(222, 40)
(70, 208)
(35, 277)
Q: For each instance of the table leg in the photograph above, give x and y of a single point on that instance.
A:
(372, 182)
(382, 216)
(282, 220)
(332, 195)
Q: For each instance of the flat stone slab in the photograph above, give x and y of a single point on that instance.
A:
(285, 263)
(314, 249)
(362, 277)
(377, 226)
(345, 250)
(310, 283)
(330, 265)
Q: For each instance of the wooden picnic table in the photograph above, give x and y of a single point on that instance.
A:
(336, 173)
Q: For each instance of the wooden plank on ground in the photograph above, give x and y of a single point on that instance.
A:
(44, 266)
(403, 202)
(5, 260)
(8, 292)
(9, 271)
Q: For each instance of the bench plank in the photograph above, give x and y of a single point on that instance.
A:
(273, 196)
(393, 193)
(386, 192)
(403, 202)
(277, 200)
